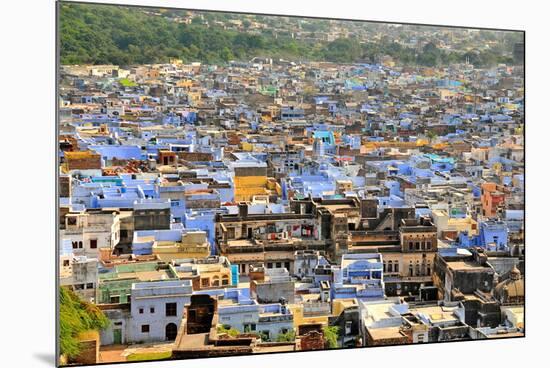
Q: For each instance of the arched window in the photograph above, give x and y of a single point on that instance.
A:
(411, 268)
(384, 267)
(417, 268)
(390, 266)
(396, 267)
(428, 270)
(225, 280)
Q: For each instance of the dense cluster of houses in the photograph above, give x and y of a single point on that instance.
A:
(262, 206)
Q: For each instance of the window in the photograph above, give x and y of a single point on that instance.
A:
(93, 243)
(75, 245)
(417, 245)
(90, 285)
(144, 328)
(171, 309)
(231, 233)
(152, 310)
(428, 245)
(205, 282)
(225, 280)
(390, 266)
(140, 310)
(79, 287)
(248, 327)
(216, 281)
(348, 327)
(278, 264)
(115, 299)
(66, 263)
(396, 267)
(269, 265)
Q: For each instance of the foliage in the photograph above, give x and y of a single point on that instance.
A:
(431, 135)
(101, 34)
(233, 332)
(157, 355)
(289, 336)
(125, 82)
(331, 336)
(264, 337)
(76, 316)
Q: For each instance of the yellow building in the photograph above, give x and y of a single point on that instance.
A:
(193, 244)
(250, 180)
(446, 224)
(211, 272)
(248, 147)
(339, 305)
(310, 311)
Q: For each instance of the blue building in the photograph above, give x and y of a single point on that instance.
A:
(360, 276)
(493, 235)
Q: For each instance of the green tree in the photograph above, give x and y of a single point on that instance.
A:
(102, 34)
(286, 337)
(76, 316)
(331, 336)
(431, 135)
(226, 329)
(343, 50)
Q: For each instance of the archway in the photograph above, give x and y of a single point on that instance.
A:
(171, 331)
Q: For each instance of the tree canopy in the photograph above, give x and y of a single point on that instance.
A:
(76, 316)
(103, 34)
(331, 336)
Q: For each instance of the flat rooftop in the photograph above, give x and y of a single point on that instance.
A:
(466, 266)
(386, 333)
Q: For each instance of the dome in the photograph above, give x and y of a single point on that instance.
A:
(511, 290)
(515, 274)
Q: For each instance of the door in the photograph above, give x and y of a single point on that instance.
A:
(171, 331)
(117, 336)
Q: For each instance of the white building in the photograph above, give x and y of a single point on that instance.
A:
(157, 309)
(90, 231)
(270, 320)
(80, 274)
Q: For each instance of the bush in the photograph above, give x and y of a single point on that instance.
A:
(228, 330)
(286, 337)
